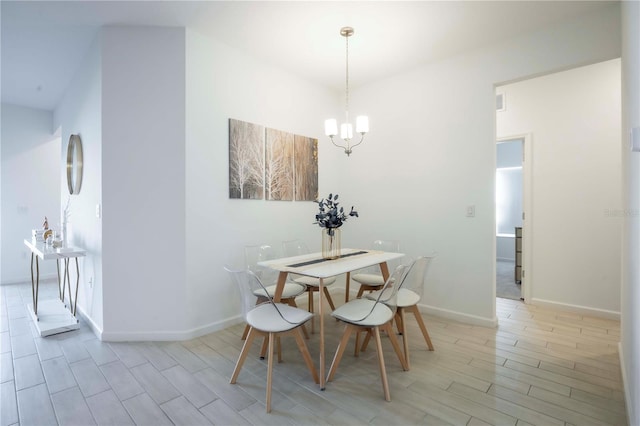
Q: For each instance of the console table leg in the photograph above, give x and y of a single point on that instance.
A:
(64, 283)
(68, 280)
(59, 289)
(33, 286)
(75, 302)
(35, 305)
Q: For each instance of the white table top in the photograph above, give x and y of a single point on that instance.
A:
(46, 252)
(330, 268)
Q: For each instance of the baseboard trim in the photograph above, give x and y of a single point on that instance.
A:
(578, 309)
(43, 278)
(625, 384)
(156, 336)
(97, 330)
(459, 316)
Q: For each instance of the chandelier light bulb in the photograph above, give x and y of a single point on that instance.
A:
(346, 131)
(331, 127)
(362, 124)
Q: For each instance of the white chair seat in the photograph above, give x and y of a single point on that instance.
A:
(290, 290)
(404, 298)
(369, 279)
(266, 318)
(353, 312)
(315, 282)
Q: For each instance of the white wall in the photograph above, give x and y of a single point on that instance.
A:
(80, 112)
(30, 187)
(630, 337)
(224, 83)
(431, 153)
(575, 219)
(143, 183)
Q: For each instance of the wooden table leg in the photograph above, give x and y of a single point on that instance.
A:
(282, 279)
(321, 314)
(385, 271)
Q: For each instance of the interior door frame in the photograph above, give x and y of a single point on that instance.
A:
(527, 210)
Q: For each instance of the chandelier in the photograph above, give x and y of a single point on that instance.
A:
(346, 128)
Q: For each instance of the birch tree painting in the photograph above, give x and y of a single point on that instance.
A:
(271, 164)
(278, 165)
(246, 160)
(306, 168)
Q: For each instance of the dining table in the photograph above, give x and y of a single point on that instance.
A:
(315, 265)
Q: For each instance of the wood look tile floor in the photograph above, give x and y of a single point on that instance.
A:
(540, 366)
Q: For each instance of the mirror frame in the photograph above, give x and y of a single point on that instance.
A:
(74, 164)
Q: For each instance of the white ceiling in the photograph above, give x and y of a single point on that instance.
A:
(43, 42)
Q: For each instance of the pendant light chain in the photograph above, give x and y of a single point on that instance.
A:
(347, 81)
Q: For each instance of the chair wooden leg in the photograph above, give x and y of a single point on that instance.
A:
(396, 347)
(361, 348)
(399, 322)
(365, 343)
(423, 327)
(405, 338)
(305, 332)
(306, 355)
(360, 292)
(279, 349)
(292, 302)
(383, 370)
(340, 351)
(346, 287)
(329, 299)
(263, 349)
(311, 309)
(245, 332)
(270, 371)
(243, 354)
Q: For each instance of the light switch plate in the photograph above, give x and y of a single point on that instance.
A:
(98, 212)
(471, 211)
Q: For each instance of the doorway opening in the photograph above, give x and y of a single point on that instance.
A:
(509, 218)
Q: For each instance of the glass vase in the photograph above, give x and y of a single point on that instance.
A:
(331, 243)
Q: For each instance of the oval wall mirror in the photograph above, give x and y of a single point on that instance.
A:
(74, 164)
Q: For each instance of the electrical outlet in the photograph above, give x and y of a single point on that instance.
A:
(90, 282)
(471, 211)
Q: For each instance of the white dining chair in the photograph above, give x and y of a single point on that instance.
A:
(371, 279)
(271, 320)
(409, 294)
(262, 252)
(371, 316)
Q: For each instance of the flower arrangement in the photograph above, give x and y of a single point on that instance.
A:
(330, 216)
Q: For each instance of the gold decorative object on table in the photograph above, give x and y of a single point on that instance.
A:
(331, 244)
(330, 218)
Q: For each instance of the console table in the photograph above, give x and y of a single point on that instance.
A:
(54, 316)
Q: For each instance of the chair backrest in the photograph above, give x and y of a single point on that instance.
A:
(416, 274)
(259, 253)
(249, 285)
(392, 246)
(388, 294)
(386, 245)
(294, 248)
